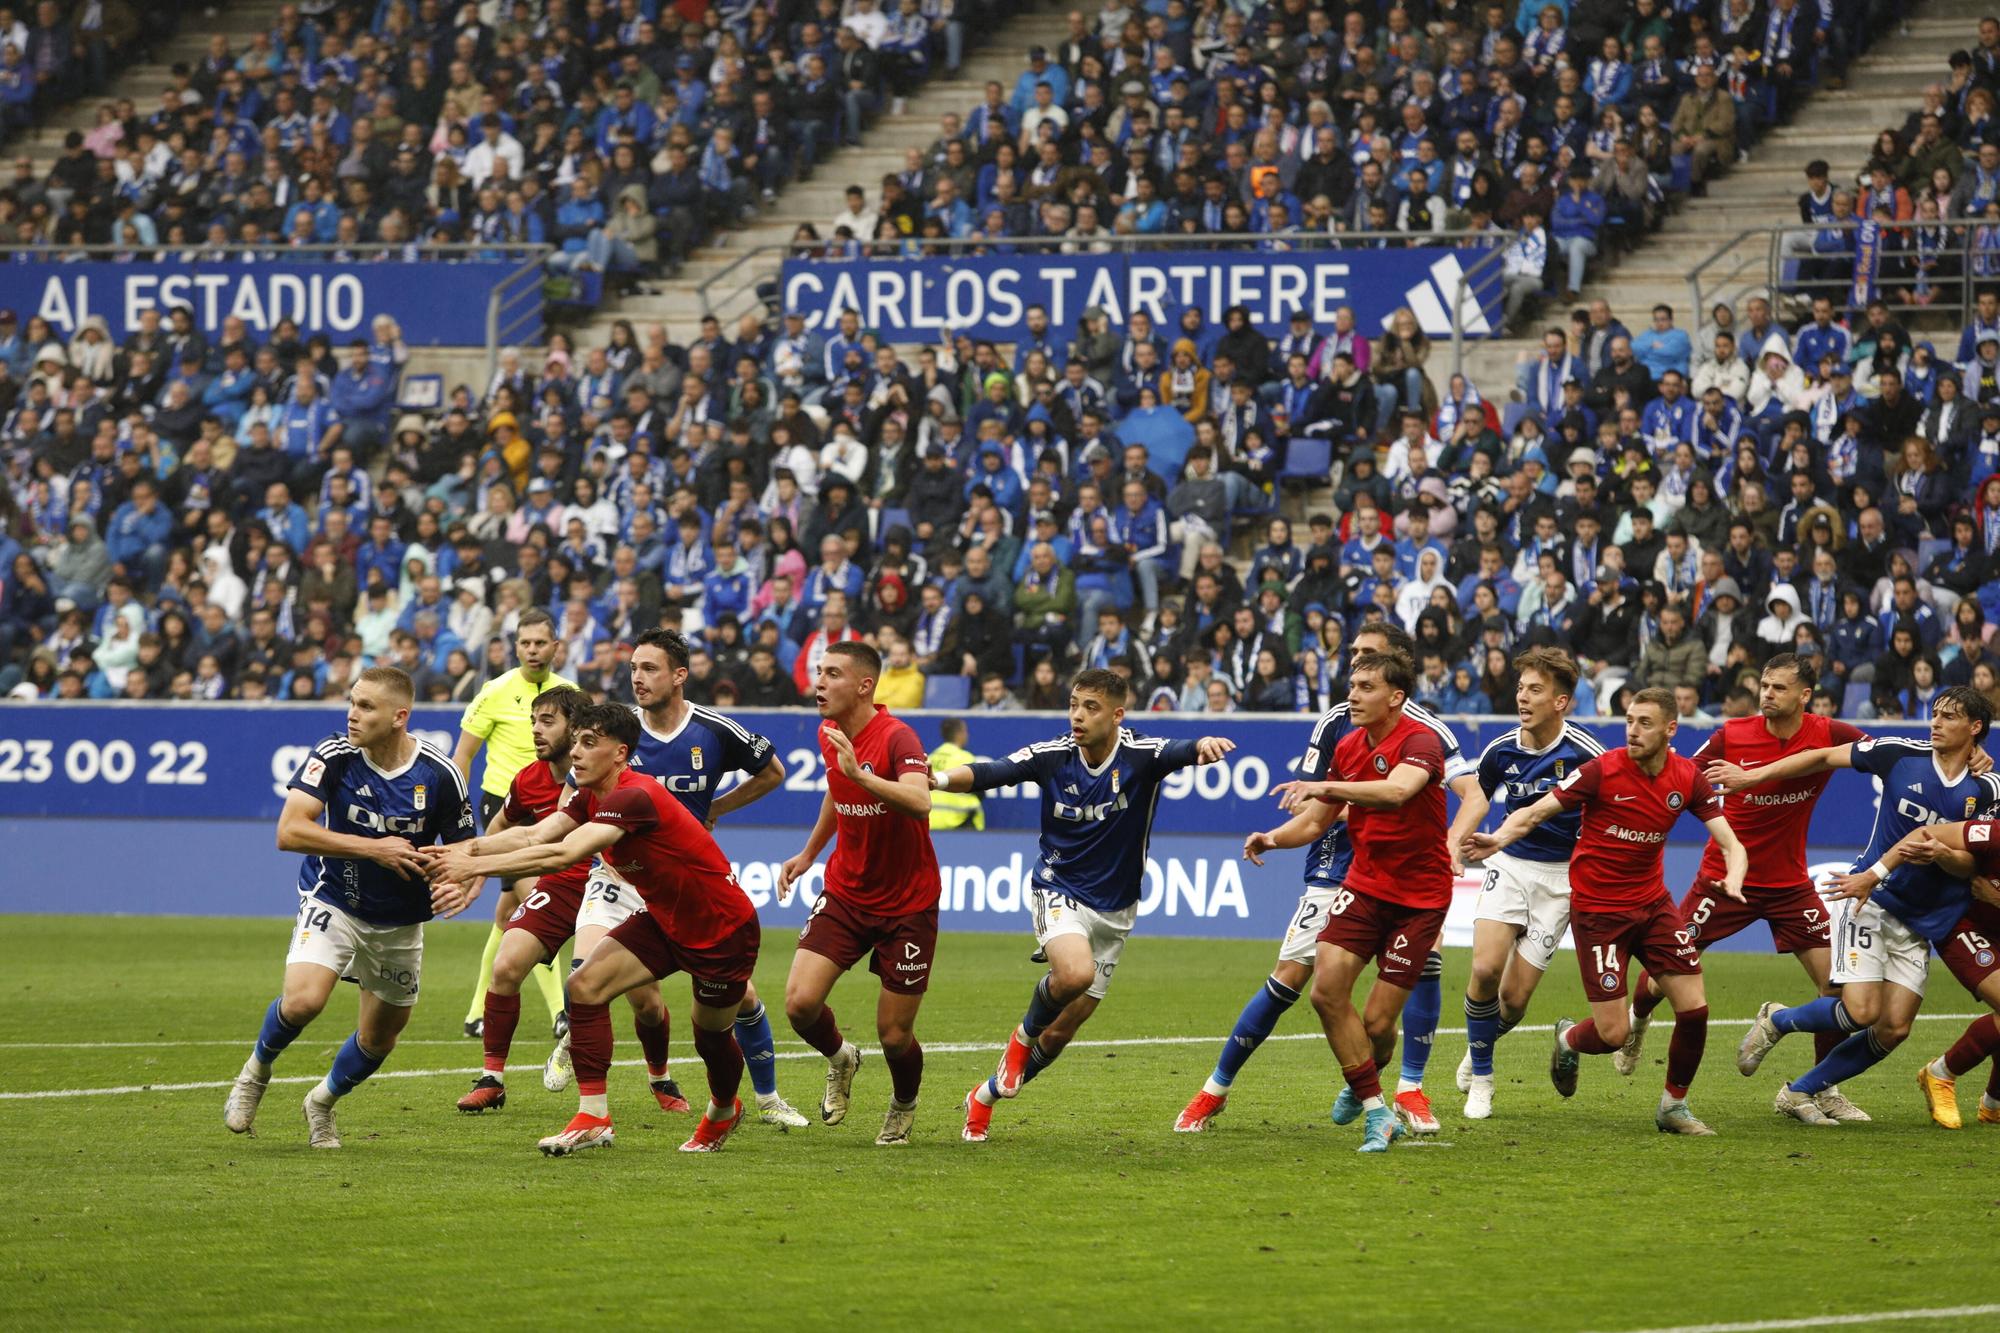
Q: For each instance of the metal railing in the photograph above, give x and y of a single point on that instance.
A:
(723, 292)
(1778, 264)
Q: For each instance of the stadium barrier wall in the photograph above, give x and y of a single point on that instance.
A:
(144, 809)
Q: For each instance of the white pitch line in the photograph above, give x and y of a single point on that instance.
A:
(940, 1048)
(1831, 1320)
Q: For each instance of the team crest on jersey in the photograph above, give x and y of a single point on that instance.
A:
(867, 767)
(1559, 770)
(1673, 800)
(420, 798)
(1114, 782)
(694, 758)
(1971, 804)
(1609, 981)
(1984, 958)
(1381, 763)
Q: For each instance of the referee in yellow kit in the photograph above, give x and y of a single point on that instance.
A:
(498, 718)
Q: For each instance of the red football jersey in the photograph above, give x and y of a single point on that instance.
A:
(669, 857)
(1770, 820)
(533, 796)
(1622, 845)
(1399, 855)
(882, 861)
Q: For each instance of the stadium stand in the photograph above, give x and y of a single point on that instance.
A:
(1218, 514)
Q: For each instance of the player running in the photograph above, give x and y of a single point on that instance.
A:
(1318, 825)
(500, 719)
(696, 919)
(568, 902)
(1389, 772)
(1771, 823)
(1523, 906)
(359, 808)
(689, 749)
(1619, 906)
(880, 894)
(1100, 786)
(1885, 916)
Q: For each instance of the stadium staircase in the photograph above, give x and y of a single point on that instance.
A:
(679, 303)
(144, 83)
(1883, 87)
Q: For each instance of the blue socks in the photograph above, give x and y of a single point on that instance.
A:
(1038, 1060)
(1826, 1014)
(753, 1034)
(1042, 1010)
(275, 1035)
(1856, 1055)
(1482, 1032)
(351, 1067)
(1420, 1018)
(1257, 1021)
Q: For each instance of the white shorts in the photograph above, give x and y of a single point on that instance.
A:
(385, 961)
(1532, 897)
(1301, 943)
(1057, 914)
(1870, 944)
(608, 898)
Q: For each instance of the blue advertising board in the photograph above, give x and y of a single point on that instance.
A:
(440, 303)
(987, 296)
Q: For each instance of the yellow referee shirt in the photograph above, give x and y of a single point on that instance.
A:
(500, 715)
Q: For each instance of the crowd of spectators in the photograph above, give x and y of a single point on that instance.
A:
(206, 514)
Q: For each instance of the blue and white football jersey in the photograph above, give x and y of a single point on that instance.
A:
(1916, 792)
(1514, 776)
(692, 762)
(423, 801)
(1327, 860)
(1095, 821)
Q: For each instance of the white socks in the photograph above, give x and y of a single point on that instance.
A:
(599, 1106)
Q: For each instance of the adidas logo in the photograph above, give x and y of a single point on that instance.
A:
(1070, 790)
(1431, 300)
(363, 791)
(1513, 770)
(1916, 787)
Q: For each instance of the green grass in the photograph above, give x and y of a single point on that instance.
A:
(1084, 1209)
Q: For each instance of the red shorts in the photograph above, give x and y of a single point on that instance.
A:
(1608, 942)
(1797, 915)
(903, 946)
(1973, 950)
(1399, 938)
(721, 972)
(549, 912)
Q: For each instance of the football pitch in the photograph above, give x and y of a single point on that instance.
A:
(134, 1206)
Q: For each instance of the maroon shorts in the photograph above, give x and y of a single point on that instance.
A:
(549, 912)
(1797, 916)
(1608, 942)
(1973, 950)
(721, 971)
(1399, 938)
(903, 946)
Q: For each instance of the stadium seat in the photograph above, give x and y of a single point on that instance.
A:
(1853, 697)
(1308, 459)
(886, 519)
(947, 692)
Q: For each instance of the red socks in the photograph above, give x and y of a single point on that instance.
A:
(503, 1015)
(1684, 1052)
(723, 1059)
(822, 1034)
(1645, 998)
(906, 1071)
(1981, 1041)
(1365, 1079)
(590, 1046)
(1583, 1039)
(652, 1043)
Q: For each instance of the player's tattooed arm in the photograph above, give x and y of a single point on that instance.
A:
(299, 830)
(1479, 846)
(1731, 779)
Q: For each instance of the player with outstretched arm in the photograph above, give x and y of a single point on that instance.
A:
(360, 808)
(1620, 910)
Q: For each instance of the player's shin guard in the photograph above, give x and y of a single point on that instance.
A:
(590, 1054)
(275, 1035)
(1583, 1038)
(1979, 1042)
(753, 1037)
(822, 1034)
(906, 1072)
(503, 1015)
(1852, 1057)
(1042, 1010)
(1257, 1021)
(1482, 1032)
(351, 1067)
(1826, 1014)
(1420, 1021)
(652, 1043)
(723, 1060)
(1684, 1051)
(486, 957)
